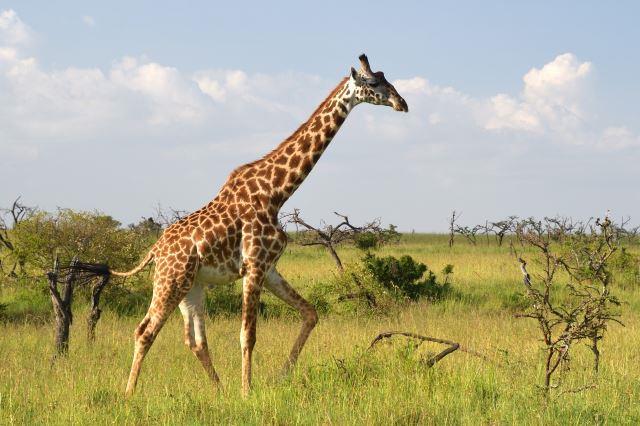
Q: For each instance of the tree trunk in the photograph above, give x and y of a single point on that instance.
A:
(335, 257)
(94, 315)
(62, 306)
(596, 353)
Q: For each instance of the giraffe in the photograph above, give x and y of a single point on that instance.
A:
(237, 234)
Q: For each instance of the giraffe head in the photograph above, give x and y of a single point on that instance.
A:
(373, 88)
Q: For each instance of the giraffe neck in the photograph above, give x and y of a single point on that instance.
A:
(293, 159)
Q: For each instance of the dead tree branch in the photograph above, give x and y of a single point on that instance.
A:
(451, 346)
(330, 236)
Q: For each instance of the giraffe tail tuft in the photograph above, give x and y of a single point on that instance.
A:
(83, 273)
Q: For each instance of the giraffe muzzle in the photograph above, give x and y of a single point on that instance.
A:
(400, 104)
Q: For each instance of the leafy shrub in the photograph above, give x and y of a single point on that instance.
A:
(224, 299)
(369, 240)
(407, 277)
(25, 303)
(379, 285)
(319, 296)
(366, 241)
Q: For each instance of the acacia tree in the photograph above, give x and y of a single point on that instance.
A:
(469, 232)
(92, 236)
(10, 218)
(501, 228)
(582, 251)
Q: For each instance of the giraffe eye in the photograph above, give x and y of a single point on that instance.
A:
(374, 84)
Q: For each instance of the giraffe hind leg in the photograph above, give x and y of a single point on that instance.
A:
(283, 290)
(167, 293)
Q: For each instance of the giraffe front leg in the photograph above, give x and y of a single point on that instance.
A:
(192, 308)
(251, 287)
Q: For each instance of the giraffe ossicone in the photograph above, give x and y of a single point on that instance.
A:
(237, 234)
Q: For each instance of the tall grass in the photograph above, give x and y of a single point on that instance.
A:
(337, 380)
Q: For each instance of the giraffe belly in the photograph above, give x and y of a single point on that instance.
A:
(215, 275)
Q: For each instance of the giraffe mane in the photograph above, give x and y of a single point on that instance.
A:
(320, 107)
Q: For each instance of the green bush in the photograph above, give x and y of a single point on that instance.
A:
(366, 241)
(370, 240)
(407, 277)
(223, 299)
(25, 302)
(379, 285)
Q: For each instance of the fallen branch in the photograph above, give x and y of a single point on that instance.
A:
(388, 334)
(577, 390)
(453, 346)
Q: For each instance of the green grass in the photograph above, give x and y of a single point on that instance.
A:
(337, 380)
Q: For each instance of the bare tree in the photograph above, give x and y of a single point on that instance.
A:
(166, 216)
(470, 233)
(330, 236)
(75, 275)
(452, 228)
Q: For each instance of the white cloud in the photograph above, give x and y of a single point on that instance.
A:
(237, 89)
(89, 21)
(507, 113)
(452, 150)
(554, 105)
(169, 95)
(12, 30)
(618, 137)
(8, 54)
(553, 101)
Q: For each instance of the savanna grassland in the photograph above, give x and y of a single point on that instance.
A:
(337, 380)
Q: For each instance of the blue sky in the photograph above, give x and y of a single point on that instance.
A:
(516, 108)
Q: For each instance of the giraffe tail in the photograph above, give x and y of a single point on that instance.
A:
(148, 258)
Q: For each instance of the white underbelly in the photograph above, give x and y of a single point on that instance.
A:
(212, 275)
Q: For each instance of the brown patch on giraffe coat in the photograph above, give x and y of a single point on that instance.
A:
(282, 159)
(264, 185)
(290, 149)
(242, 194)
(317, 124)
(305, 143)
(252, 184)
(307, 165)
(329, 131)
(279, 175)
(294, 161)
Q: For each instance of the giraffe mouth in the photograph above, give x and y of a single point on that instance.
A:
(400, 104)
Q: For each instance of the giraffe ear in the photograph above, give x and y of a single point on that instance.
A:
(355, 76)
